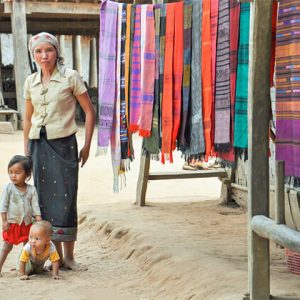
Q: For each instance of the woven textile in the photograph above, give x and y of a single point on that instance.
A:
(135, 87)
(206, 77)
(197, 143)
(214, 13)
(148, 75)
(234, 36)
(107, 72)
(288, 87)
(222, 93)
(186, 85)
(167, 103)
(151, 144)
(177, 70)
(241, 102)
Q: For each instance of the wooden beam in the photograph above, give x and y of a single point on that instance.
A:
(21, 63)
(34, 26)
(258, 145)
(279, 193)
(278, 233)
(57, 9)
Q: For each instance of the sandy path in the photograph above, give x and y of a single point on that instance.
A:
(182, 245)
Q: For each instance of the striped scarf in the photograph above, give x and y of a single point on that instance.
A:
(107, 72)
(186, 85)
(222, 100)
(167, 104)
(288, 87)
(148, 75)
(135, 88)
(241, 102)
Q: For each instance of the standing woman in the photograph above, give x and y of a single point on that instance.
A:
(49, 138)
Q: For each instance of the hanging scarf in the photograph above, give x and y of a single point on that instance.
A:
(148, 75)
(167, 104)
(123, 117)
(115, 133)
(162, 35)
(214, 13)
(234, 36)
(241, 102)
(197, 143)
(135, 88)
(107, 72)
(222, 98)
(178, 70)
(288, 88)
(151, 144)
(206, 76)
(186, 85)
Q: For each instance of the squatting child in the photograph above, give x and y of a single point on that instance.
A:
(38, 250)
(18, 205)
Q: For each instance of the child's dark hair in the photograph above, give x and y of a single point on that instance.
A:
(25, 161)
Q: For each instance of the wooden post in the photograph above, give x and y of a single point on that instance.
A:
(21, 64)
(142, 183)
(93, 64)
(279, 193)
(258, 140)
(76, 44)
(62, 44)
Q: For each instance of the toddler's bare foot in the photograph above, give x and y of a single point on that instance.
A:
(73, 265)
(24, 277)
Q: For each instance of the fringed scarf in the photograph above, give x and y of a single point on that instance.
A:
(151, 144)
(135, 88)
(222, 93)
(214, 13)
(288, 88)
(241, 100)
(123, 116)
(107, 72)
(167, 104)
(186, 85)
(115, 134)
(234, 37)
(148, 75)
(197, 143)
(177, 70)
(206, 77)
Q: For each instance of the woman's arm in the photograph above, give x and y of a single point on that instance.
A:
(86, 104)
(27, 124)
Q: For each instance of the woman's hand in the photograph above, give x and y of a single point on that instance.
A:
(5, 225)
(84, 155)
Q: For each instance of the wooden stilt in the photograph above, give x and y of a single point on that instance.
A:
(143, 179)
(76, 44)
(62, 44)
(21, 64)
(1, 83)
(93, 64)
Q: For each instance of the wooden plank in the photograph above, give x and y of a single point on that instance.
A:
(142, 182)
(187, 174)
(258, 145)
(278, 233)
(279, 193)
(21, 63)
(56, 9)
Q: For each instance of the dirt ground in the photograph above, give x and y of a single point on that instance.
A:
(182, 245)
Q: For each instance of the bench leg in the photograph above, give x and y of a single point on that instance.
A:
(13, 118)
(143, 179)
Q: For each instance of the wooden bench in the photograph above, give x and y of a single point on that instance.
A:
(9, 115)
(145, 176)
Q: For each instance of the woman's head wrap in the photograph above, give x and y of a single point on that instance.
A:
(45, 37)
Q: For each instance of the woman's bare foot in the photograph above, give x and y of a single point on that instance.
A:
(73, 265)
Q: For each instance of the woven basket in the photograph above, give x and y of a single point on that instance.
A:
(293, 261)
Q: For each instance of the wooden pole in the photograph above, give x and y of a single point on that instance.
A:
(62, 44)
(258, 140)
(93, 64)
(142, 182)
(279, 193)
(76, 44)
(21, 64)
